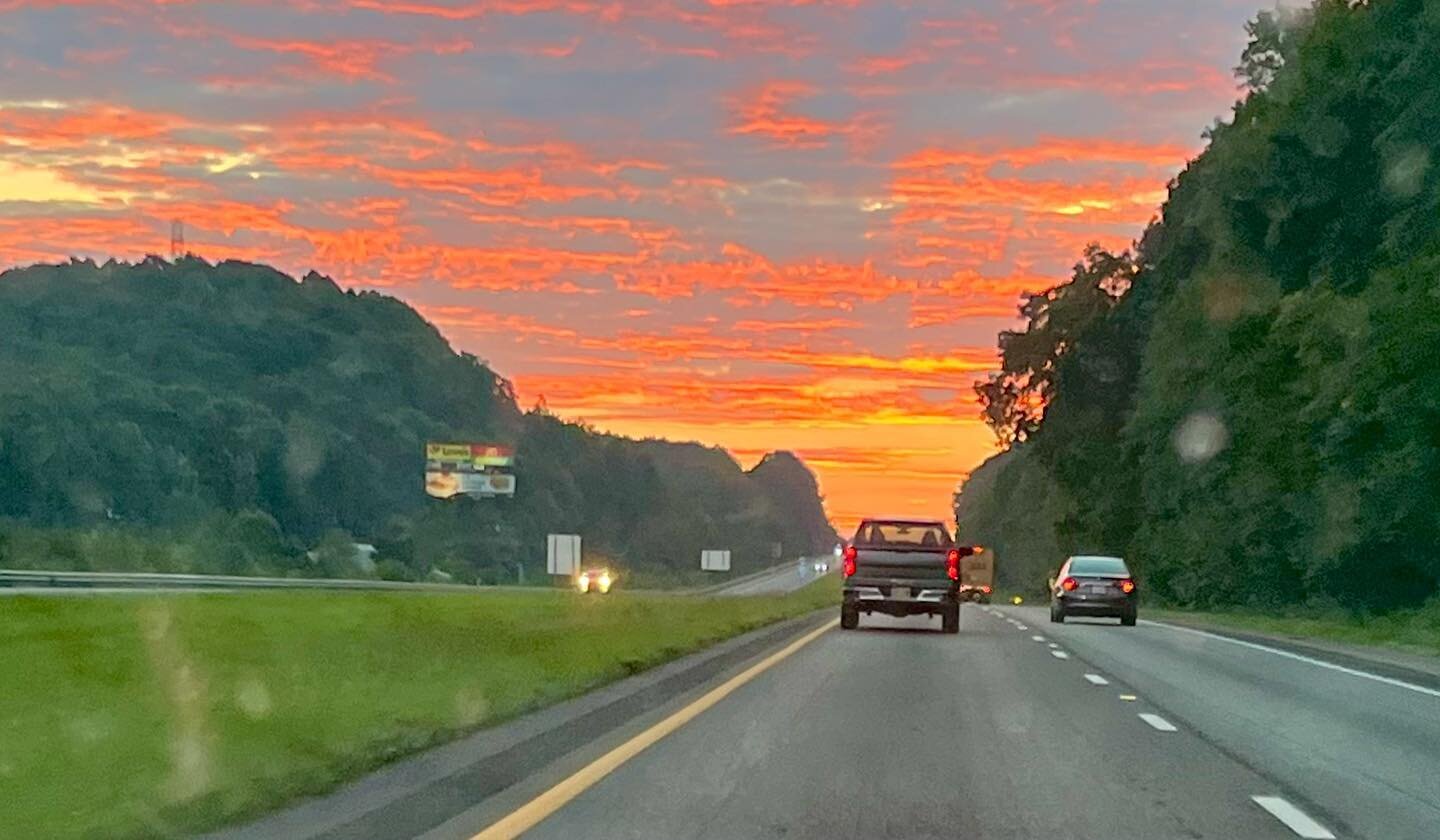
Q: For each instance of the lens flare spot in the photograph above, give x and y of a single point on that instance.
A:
(1200, 437)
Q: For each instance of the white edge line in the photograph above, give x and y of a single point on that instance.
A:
(1295, 819)
(1158, 722)
(1300, 658)
(1059, 654)
(1096, 679)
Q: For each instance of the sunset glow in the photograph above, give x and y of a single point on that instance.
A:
(762, 224)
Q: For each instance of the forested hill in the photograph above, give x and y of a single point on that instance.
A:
(228, 418)
(1248, 406)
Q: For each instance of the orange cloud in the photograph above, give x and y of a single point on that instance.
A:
(347, 59)
(765, 114)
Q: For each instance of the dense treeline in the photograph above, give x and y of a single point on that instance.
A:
(228, 418)
(1248, 405)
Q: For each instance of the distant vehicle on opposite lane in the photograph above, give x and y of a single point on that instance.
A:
(901, 566)
(1094, 585)
(597, 581)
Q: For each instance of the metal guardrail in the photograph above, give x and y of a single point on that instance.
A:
(789, 565)
(25, 578)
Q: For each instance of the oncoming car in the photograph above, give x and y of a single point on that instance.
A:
(598, 581)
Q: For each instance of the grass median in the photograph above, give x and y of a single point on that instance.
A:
(146, 715)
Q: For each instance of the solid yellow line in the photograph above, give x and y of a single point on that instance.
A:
(552, 800)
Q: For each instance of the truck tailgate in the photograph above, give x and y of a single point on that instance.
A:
(879, 565)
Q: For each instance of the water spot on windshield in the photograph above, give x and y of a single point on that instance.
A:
(88, 730)
(471, 707)
(252, 698)
(1200, 437)
(1405, 172)
(190, 736)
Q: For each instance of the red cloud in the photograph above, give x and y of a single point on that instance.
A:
(49, 129)
(347, 59)
(764, 114)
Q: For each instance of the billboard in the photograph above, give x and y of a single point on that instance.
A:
(471, 457)
(468, 469)
(444, 485)
(714, 560)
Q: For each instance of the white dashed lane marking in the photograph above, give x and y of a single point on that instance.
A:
(1158, 722)
(1295, 819)
(1059, 654)
(1038, 638)
(1096, 679)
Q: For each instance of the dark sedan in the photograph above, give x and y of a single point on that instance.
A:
(1094, 586)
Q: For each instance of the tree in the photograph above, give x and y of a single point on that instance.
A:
(1056, 323)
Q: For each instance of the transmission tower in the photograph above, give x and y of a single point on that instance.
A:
(177, 239)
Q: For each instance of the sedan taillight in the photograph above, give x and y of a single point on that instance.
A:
(1069, 584)
(1127, 586)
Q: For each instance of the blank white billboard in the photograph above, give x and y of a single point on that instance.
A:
(714, 560)
(562, 554)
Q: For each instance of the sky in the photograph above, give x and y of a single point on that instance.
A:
(761, 224)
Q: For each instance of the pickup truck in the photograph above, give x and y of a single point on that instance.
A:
(899, 567)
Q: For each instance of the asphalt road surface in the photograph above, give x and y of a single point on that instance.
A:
(1019, 728)
(779, 581)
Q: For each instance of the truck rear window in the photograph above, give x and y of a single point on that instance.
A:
(903, 535)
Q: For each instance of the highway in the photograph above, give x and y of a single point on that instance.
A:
(782, 579)
(1016, 728)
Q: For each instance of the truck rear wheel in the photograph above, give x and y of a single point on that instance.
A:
(849, 617)
(950, 619)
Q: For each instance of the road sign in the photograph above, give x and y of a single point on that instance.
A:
(715, 560)
(562, 554)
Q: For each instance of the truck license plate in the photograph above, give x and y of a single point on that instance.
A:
(900, 593)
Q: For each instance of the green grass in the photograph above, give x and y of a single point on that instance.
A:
(162, 714)
(1414, 631)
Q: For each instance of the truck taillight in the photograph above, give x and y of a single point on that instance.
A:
(848, 563)
(952, 564)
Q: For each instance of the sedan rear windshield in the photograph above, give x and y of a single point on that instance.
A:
(903, 535)
(1098, 566)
